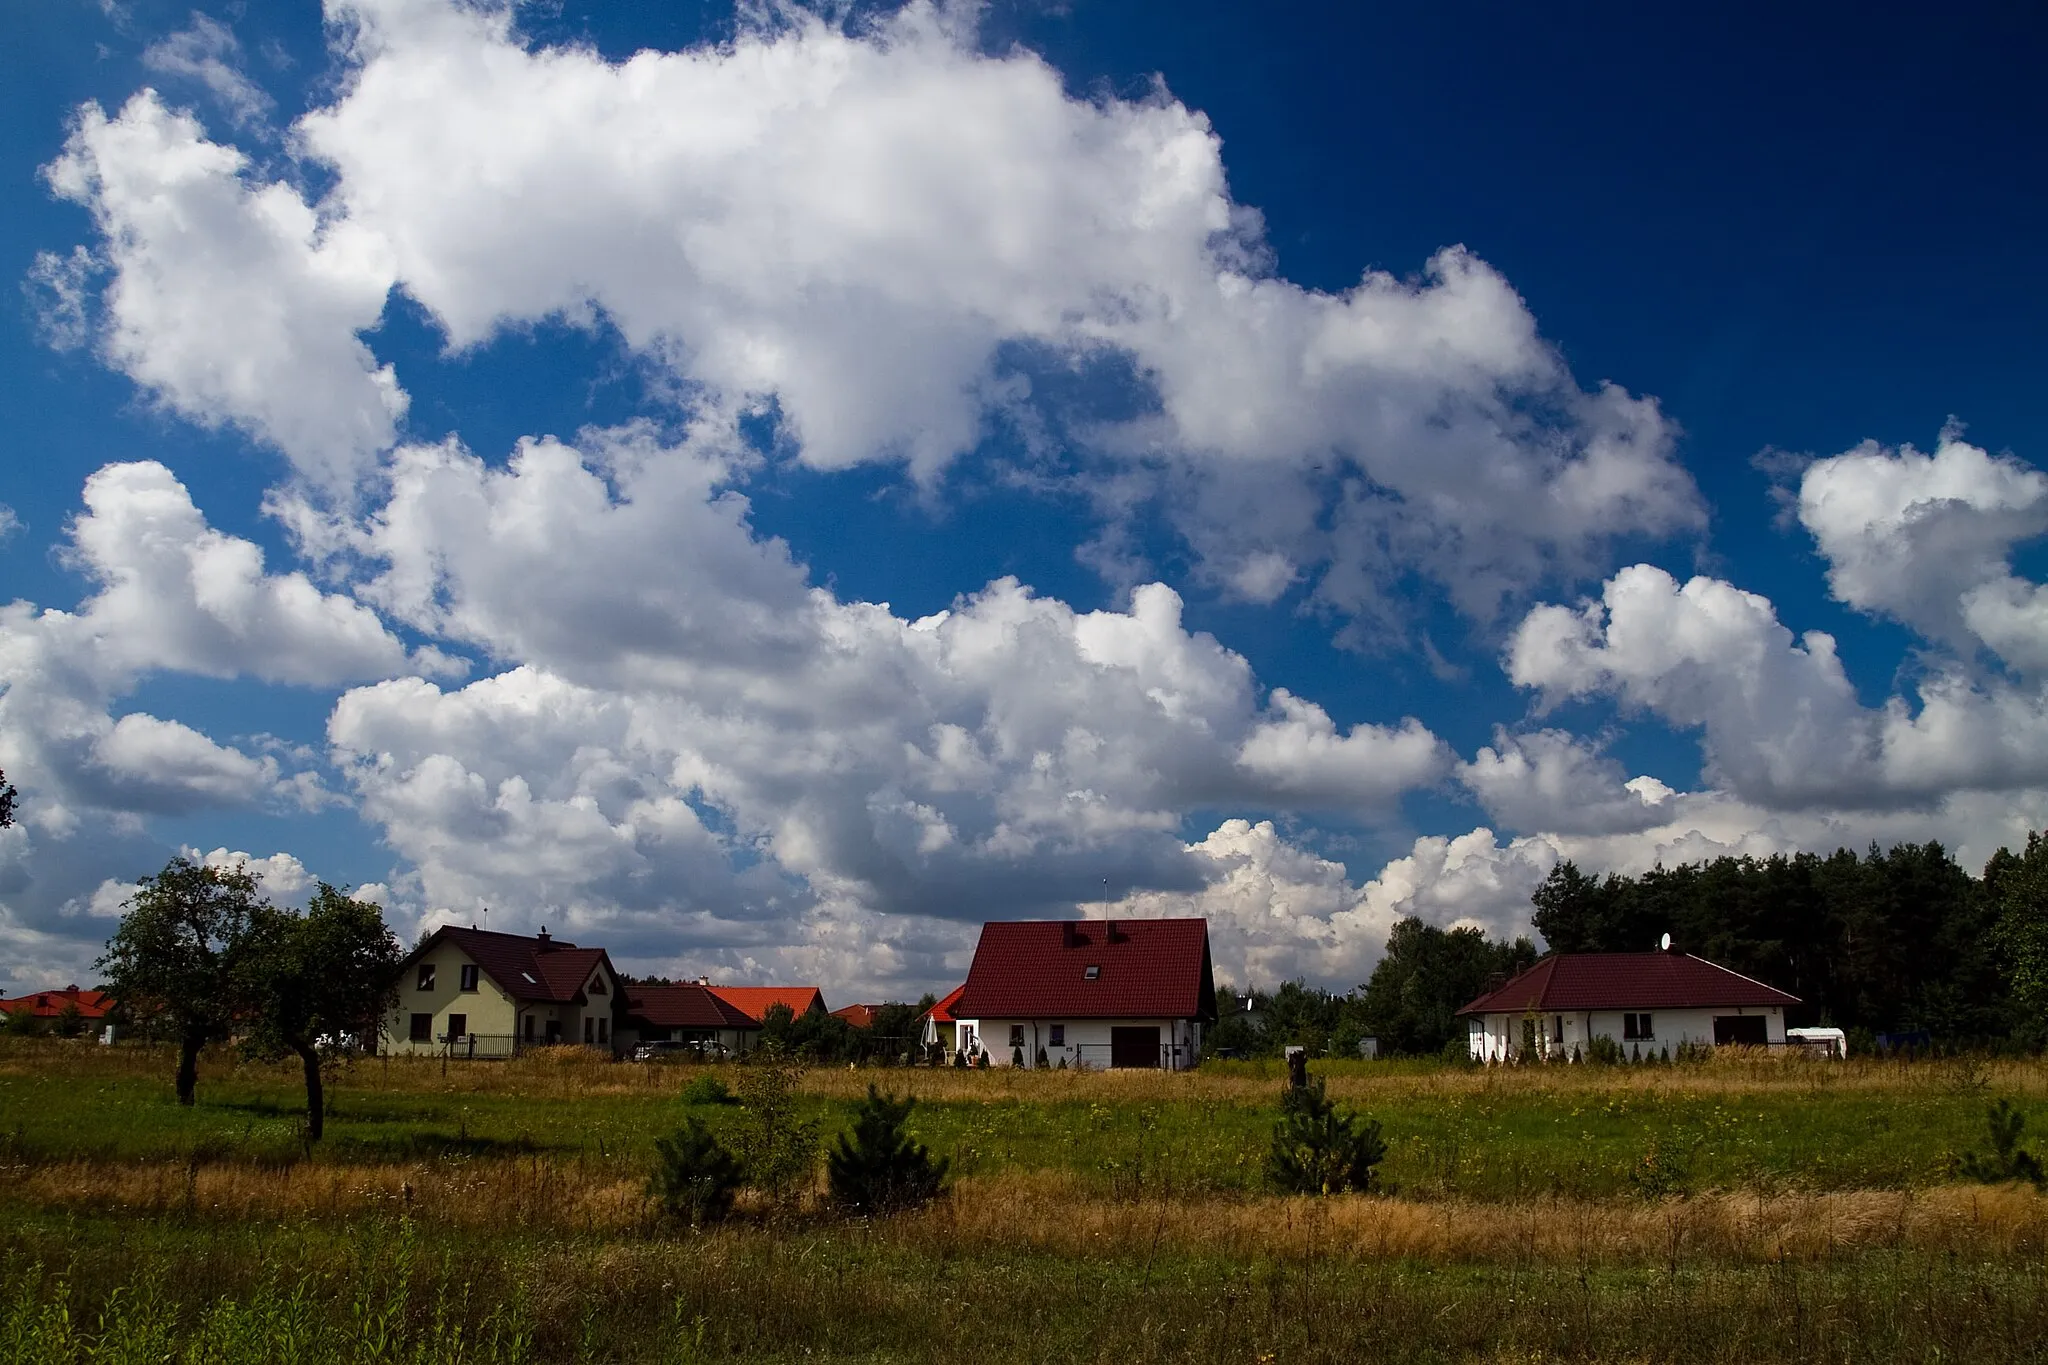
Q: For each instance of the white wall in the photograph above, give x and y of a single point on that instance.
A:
(1498, 1037)
(1086, 1043)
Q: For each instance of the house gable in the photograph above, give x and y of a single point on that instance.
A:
(1090, 969)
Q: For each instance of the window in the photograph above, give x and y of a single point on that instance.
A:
(426, 976)
(1636, 1026)
(1090, 972)
(1016, 1035)
(1557, 1030)
(604, 1030)
(458, 1027)
(589, 1026)
(469, 976)
(529, 1028)
(1059, 1035)
(597, 985)
(422, 1028)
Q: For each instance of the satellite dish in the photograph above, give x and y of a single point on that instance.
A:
(1664, 944)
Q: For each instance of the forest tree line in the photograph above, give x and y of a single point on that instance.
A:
(1897, 941)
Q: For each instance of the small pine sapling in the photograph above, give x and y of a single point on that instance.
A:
(1318, 1149)
(2008, 1160)
(1043, 1060)
(1017, 1056)
(876, 1168)
(694, 1177)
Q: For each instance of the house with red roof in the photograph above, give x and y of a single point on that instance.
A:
(1090, 993)
(756, 1001)
(51, 1006)
(689, 1012)
(1648, 1003)
(857, 1016)
(937, 1027)
(476, 993)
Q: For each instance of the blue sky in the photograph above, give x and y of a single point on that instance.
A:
(1360, 462)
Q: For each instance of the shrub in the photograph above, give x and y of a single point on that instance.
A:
(876, 1168)
(1017, 1055)
(1604, 1050)
(960, 1058)
(694, 1177)
(707, 1090)
(2008, 1160)
(776, 1146)
(1043, 1060)
(22, 1024)
(1319, 1150)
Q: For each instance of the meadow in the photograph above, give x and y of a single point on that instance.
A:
(1741, 1209)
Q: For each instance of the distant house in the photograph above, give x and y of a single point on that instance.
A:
(857, 1016)
(756, 1001)
(937, 1027)
(1096, 993)
(687, 1013)
(53, 1005)
(476, 993)
(699, 1012)
(1645, 1002)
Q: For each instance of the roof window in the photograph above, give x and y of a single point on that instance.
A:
(1090, 972)
(529, 977)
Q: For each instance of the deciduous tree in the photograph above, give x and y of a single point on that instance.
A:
(176, 961)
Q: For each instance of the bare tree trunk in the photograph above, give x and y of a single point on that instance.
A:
(316, 1095)
(188, 1065)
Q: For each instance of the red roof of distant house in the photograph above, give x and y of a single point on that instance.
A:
(942, 1012)
(528, 968)
(1090, 969)
(52, 1004)
(1617, 981)
(753, 1001)
(685, 1006)
(860, 1016)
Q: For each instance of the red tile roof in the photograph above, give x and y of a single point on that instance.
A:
(686, 1006)
(753, 1001)
(52, 1004)
(860, 1016)
(942, 1012)
(1617, 981)
(1039, 969)
(526, 968)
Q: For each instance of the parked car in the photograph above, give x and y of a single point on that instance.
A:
(695, 1049)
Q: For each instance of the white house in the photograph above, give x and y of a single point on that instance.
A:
(1090, 993)
(1646, 1002)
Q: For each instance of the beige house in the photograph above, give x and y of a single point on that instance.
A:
(474, 993)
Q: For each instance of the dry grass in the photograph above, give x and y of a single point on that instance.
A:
(1053, 1212)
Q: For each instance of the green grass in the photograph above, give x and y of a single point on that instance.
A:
(1506, 1142)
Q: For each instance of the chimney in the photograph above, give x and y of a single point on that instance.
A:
(1070, 933)
(704, 981)
(542, 937)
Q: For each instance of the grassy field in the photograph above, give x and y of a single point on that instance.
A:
(1737, 1210)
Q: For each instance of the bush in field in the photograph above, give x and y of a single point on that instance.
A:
(1604, 1050)
(23, 1023)
(1017, 1055)
(694, 1177)
(2007, 1159)
(776, 1146)
(707, 1090)
(1318, 1149)
(876, 1168)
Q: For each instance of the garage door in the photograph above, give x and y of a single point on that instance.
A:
(1134, 1046)
(1740, 1028)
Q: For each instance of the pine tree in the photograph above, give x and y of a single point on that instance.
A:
(876, 1168)
(694, 1178)
(1319, 1150)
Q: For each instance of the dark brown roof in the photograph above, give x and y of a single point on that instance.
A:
(1619, 981)
(526, 968)
(1040, 969)
(685, 1006)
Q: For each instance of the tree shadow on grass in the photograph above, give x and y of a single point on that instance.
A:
(423, 1146)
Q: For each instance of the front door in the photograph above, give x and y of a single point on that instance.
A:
(1134, 1046)
(1748, 1029)
(554, 1032)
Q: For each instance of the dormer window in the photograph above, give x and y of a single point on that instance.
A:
(1090, 972)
